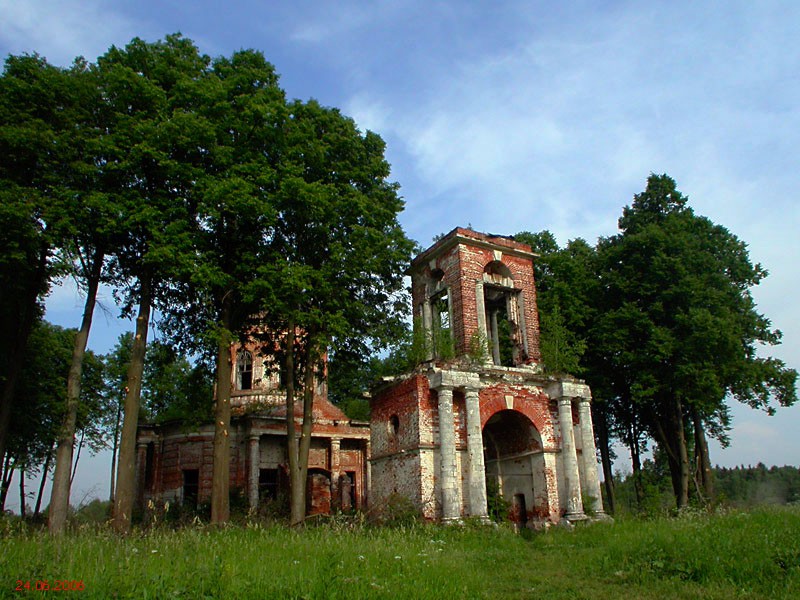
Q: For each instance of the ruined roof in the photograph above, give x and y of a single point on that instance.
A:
(469, 236)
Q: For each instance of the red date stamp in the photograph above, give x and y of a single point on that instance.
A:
(45, 585)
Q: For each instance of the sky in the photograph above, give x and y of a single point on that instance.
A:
(509, 116)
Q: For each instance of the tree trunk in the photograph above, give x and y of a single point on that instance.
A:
(308, 415)
(601, 418)
(126, 469)
(673, 440)
(220, 479)
(22, 509)
(703, 461)
(45, 470)
(297, 483)
(114, 452)
(59, 497)
(683, 456)
(77, 457)
(5, 483)
(636, 462)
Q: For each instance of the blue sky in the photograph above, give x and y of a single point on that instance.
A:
(518, 116)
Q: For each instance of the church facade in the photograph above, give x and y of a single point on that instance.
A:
(479, 419)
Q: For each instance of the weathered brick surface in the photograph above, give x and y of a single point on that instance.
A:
(517, 409)
(257, 415)
(517, 405)
(462, 256)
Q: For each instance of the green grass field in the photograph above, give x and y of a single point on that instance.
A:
(733, 555)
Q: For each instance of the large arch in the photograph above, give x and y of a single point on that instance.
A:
(514, 462)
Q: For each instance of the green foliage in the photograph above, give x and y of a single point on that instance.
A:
(561, 353)
(39, 404)
(172, 388)
(499, 508)
(478, 345)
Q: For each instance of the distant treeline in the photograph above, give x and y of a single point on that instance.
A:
(749, 486)
(740, 487)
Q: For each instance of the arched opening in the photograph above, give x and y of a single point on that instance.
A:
(318, 490)
(515, 473)
(503, 304)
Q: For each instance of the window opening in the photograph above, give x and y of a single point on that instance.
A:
(349, 490)
(442, 335)
(502, 331)
(244, 370)
(268, 484)
(191, 487)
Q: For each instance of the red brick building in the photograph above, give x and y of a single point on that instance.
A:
(480, 417)
(175, 463)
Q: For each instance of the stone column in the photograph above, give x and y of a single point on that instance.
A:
(483, 328)
(477, 470)
(569, 460)
(335, 468)
(427, 327)
(253, 460)
(495, 339)
(589, 453)
(447, 455)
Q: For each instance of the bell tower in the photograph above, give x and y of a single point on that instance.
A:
(474, 293)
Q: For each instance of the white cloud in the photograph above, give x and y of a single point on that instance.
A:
(62, 30)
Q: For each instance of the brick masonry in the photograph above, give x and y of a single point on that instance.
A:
(516, 441)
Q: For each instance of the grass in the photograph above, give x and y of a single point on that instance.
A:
(733, 555)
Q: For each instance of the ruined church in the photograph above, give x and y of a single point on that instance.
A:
(478, 419)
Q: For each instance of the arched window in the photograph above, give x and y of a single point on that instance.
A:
(244, 370)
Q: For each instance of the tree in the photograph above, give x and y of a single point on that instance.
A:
(39, 406)
(680, 325)
(154, 150)
(31, 141)
(336, 281)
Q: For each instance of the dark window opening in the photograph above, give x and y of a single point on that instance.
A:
(441, 334)
(394, 425)
(191, 487)
(503, 332)
(349, 491)
(244, 370)
(268, 484)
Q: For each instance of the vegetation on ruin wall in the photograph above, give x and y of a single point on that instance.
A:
(735, 554)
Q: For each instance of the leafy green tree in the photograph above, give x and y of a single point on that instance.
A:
(39, 406)
(680, 325)
(336, 281)
(155, 153)
(31, 140)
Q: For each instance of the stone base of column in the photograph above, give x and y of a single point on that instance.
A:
(575, 517)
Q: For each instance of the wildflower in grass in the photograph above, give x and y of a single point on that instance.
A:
(398, 557)
(360, 557)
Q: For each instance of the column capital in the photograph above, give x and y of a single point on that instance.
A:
(568, 389)
(565, 401)
(453, 379)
